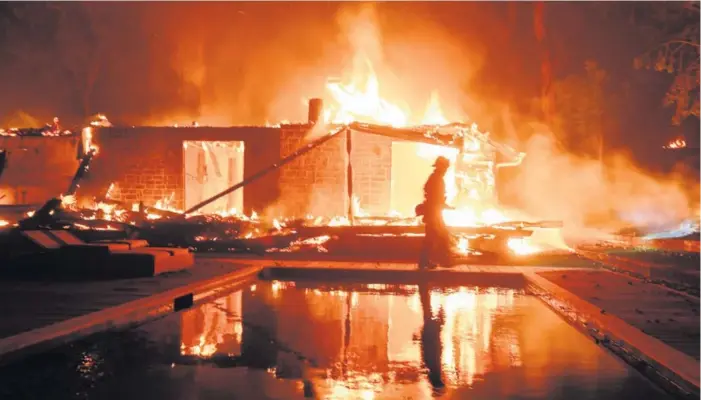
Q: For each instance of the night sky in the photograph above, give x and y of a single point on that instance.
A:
(248, 63)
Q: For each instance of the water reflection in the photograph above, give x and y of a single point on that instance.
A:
(381, 341)
(212, 328)
(351, 342)
(427, 338)
(364, 338)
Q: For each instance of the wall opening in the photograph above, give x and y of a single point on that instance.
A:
(412, 163)
(211, 167)
(408, 174)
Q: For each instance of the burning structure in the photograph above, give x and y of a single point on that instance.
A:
(345, 174)
(178, 167)
(355, 168)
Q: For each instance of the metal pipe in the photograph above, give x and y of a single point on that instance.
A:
(297, 153)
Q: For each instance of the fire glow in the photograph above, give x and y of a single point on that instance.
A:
(675, 144)
(359, 99)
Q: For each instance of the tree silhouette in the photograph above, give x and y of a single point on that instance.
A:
(580, 103)
(674, 29)
(81, 39)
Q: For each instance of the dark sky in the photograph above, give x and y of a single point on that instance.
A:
(248, 63)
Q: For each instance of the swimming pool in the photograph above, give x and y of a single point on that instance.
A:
(346, 341)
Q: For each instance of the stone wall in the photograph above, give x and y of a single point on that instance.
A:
(38, 168)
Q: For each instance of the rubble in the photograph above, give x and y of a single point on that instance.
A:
(52, 129)
(161, 225)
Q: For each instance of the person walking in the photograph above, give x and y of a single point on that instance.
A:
(437, 245)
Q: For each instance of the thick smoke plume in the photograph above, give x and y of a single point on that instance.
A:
(589, 195)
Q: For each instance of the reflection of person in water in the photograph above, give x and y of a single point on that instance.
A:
(431, 339)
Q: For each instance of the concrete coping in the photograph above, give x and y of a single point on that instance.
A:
(125, 314)
(672, 363)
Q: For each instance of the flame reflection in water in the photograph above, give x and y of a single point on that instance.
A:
(402, 341)
(212, 328)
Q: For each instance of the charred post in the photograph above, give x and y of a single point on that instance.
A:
(80, 173)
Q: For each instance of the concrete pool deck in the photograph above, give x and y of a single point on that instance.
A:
(642, 322)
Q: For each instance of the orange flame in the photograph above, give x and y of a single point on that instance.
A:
(359, 99)
(88, 144)
(675, 144)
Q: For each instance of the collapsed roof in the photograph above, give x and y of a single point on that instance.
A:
(452, 135)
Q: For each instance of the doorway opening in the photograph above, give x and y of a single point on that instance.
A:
(412, 163)
(211, 167)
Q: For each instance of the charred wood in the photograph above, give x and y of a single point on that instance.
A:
(3, 161)
(419, 134)
(80, 173)
(311, 231)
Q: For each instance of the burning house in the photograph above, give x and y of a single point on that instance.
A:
(345, 173)
(178, 167)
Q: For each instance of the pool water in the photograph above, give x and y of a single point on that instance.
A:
(347, 342)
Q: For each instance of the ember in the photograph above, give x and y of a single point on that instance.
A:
(675, 144)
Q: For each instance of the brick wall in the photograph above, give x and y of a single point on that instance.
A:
(371, 156)
(314, 183)
(38, 168)
(146, 164)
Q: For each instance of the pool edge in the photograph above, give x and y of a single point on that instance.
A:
(674, 371)
(122, 315)
(678, 370)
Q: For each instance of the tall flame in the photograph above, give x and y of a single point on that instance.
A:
(359, 98)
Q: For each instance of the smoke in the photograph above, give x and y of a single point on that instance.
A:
(588, 195)
(20, 119)
(243, 63)
(228, 63)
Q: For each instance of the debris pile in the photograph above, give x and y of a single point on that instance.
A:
(52, 129)
(232, 231)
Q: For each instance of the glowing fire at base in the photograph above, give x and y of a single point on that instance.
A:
(521, 246)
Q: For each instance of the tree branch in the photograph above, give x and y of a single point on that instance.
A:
(681, 42)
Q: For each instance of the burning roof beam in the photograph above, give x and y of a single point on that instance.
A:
(451, 135)
(418, 134)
